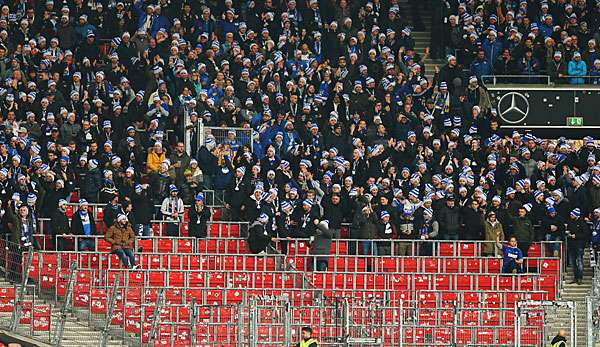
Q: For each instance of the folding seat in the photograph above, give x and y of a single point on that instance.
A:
(506, 282)
(48, 276)
(527, 282)
(133, 319)
(233, 297)
(448, 298)
(473, 265)
(185, 229)
(173, 296)
(135, 278)
(81, 295)
(360, 281)
(550, 266)
(156, 278)
(447, 249)
(241, 279)
(195, 262)
(214, 230)
(463, 282)
(548, 284)
(175, 262)
(155, 261)
(442, 282)
(184, 246)
(409, 265)
(464, 337)
(197, 295)
(234, 230)
(469, 316)
(506, 336)
(421, 282)
(62, 279)
(446, 316)
(103, 246)
(232, 247)
(452, 265)
(471, 299)
(491, 317)
(468, 249)
(7, 299)
(493, 265)
(426, 317)
(492, 300)
(442, 336)
(530, 337)
(147, 245)
(150, 295)
(432, 265)
(216, 280)
(485, 336)
(98, 301)
(387, 264)
(229, 263)
(400, 282)
(165, 246)
(485, 282)
(427, 300)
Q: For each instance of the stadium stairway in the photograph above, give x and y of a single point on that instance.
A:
(577, 294)
(76, 333)
(422, 38)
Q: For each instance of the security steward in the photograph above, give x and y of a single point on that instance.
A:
(307, 339)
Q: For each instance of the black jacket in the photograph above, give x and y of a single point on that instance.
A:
(77, 226)
(197, 221)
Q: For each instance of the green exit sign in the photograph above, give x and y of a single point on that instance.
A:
(574, 121)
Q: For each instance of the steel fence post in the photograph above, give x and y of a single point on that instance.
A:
(68, 300)
(156, 317)
(193, 319)
(21, 289)
(111, 309)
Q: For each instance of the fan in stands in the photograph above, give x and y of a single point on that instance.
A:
(285, 164)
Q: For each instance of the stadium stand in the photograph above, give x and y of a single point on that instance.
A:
(299, 173)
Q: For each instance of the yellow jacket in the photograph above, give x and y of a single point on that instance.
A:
(154, 160)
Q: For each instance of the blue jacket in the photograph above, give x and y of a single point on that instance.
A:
(577, 69)
(492, 50)
(480, 68)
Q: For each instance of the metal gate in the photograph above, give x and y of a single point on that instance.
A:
(277, 322)
(538, 322)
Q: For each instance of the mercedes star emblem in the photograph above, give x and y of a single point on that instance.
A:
(513, 107)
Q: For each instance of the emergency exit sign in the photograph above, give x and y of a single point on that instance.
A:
(574, 121)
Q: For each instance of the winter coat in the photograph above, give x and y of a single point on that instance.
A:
(197, 221)
(120, 236)
(523, 229)
(490, 235)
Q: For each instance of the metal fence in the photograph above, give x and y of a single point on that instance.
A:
(234, 138)
(593, 309)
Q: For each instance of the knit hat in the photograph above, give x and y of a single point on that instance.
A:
(576, 213)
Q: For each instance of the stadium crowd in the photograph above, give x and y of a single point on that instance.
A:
(523, 38)
(339, 124)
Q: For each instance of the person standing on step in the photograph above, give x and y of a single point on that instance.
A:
(172, 209)
(560, 340)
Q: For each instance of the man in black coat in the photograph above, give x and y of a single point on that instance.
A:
(449, 219)
(258, 237)
(83, 223)
(577, 238)
(472, 221)
(199, 214)
(335, 213)
(60, 225)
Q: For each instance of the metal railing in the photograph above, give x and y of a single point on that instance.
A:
(544, 80)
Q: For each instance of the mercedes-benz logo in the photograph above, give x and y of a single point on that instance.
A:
(513, 107)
